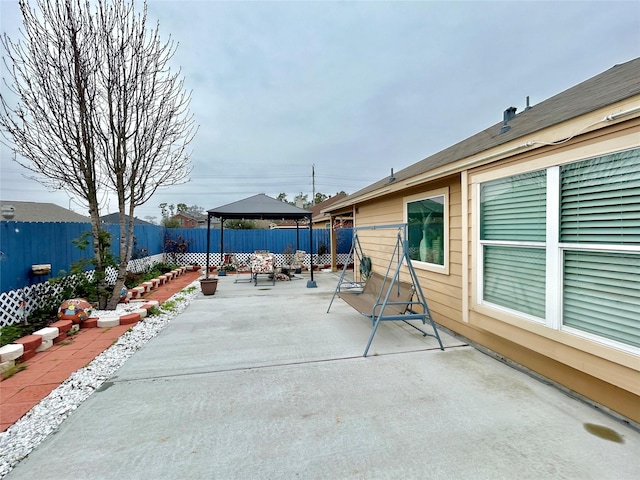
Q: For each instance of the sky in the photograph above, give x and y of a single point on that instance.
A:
(351, 90)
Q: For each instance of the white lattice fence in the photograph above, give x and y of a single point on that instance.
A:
(16, 305)
(139, 265)
(243, 258)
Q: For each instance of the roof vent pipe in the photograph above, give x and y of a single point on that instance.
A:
(392, 178)
(509, 114)
(528, 107)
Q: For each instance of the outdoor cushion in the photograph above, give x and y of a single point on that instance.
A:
(262, 263)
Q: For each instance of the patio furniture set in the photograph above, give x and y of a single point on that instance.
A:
(263, 262)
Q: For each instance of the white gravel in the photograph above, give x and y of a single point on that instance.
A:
(43, 419)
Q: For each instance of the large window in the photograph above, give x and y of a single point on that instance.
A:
(601, 294)
(514, 277)
(427, 229)
(512, 229)
(562, 246)
(600, 242)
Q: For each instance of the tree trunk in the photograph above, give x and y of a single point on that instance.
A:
(97, 111)
(125, 249)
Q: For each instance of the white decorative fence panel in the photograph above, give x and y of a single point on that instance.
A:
(17, 305)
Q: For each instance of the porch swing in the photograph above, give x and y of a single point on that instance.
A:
(384, 297)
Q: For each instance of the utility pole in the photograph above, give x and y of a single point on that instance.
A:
(313, 184)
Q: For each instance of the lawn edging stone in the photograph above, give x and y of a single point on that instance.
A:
(25, 348)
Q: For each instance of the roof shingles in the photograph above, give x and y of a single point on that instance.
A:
(43, 212)
(613, 85)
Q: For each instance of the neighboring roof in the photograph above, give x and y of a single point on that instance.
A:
(194, 216)
(259, 206)
(199, 219)
(288, 224)
(114, 218)
(316, 210)
(42, 212)
(616, 84)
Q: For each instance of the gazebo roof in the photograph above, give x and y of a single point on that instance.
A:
(261, 207)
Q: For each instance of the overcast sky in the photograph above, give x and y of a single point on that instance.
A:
(354, 88)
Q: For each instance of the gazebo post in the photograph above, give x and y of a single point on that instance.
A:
(311, 283)
(206, 275)
(263, 207)
(221, 241)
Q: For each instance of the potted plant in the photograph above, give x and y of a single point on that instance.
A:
(208, 284)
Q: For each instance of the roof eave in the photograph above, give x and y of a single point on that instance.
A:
(593, 120)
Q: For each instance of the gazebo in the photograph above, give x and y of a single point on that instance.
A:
(260, 207)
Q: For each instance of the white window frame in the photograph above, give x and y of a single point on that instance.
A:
(440, 192)
(554, 254)
(524, 244)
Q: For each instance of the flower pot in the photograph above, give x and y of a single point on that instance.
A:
(208, 285)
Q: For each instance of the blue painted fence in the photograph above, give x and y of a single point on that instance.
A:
(25, 244)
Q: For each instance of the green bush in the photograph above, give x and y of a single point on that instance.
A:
(11, 333)
(39, 318)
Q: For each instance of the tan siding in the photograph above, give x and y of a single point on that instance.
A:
(602, 373)
(596, 143)
(455, 258)
(443, 292)
(586, 367)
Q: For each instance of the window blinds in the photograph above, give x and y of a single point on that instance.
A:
(600, 200)
(600, 204)
(514, 277)
(514, 208)
(601, 294)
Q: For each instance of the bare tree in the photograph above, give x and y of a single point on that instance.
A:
(168, 211)
(193, 209)
(97, 111)
(51, 128)
(148, 113)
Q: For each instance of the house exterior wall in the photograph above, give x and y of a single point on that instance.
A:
(186, 222)
(597, 370)
(443, 291)
(323, 222)
(605, 373)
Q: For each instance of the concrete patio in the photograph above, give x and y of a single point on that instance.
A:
(259, 382)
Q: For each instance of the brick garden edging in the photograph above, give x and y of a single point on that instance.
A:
(27, 347)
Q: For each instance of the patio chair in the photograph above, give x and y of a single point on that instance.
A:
(243, 271)
(263, 264)
(298, 259)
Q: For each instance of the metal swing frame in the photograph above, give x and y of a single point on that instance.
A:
(381, 305)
